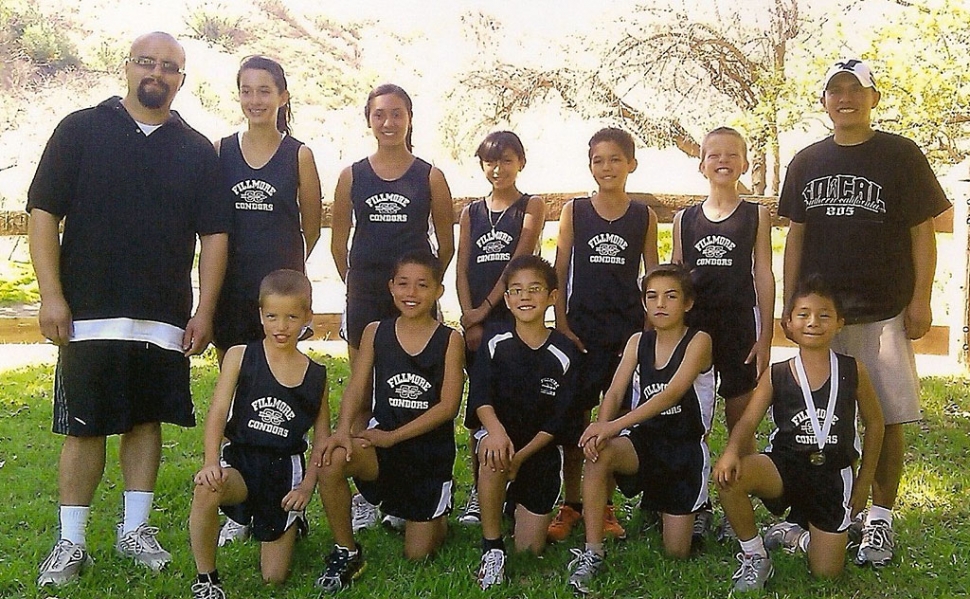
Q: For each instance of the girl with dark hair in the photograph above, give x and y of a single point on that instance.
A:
(396, 202)
(272, 181)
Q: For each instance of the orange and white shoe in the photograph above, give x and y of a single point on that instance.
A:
(563, 524)
(612, 529)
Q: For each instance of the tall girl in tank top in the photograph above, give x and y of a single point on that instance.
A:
(272, 180)
(492, 231)
(394, 201)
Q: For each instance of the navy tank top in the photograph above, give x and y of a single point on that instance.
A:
(406, 386)
(720, 256)
(602, 296)
(793, 432)
(266, 233)
(268, 415)
(691, 416)
(495, 236)
(391, 218)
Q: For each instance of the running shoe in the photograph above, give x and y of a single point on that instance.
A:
(63, 564)
(754, 572)
(342, 569)
(142, 546)
(491, 572)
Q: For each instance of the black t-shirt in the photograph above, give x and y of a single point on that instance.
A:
(406, 386)
(691, 416)
(793, 431)
(603, 304)
(494, 237)
(858, 204)
(268, 415)
(720, 256)
(531, 390)
(391, 218)
(133, 205)
(266, 233)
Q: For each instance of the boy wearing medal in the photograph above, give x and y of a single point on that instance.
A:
(809, 463)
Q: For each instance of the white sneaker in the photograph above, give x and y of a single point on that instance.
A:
(878, 542)
(142, 546)
(788, 536)
(754, 572)
(233, 531)
(63, 564)
(492, 570)
(207, 590)
(394, 523)
(363, 513)
(585, 566)
(472, 514)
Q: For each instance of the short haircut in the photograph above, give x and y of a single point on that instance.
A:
(289, 283)
(724, 131)
(421, 258)
(813, 284)
(538, 264)
(617, 136)
(495, 144)
(674, 271)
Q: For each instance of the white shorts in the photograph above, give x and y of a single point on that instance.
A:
(887, 353)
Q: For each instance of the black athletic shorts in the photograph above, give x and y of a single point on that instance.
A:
(414, 480)
(672, 473)
(817, 495)
(106, 387)
(236, 322)
(536, 486)
(594, 373)
(733, 332)
(269, 476)
(368, 300)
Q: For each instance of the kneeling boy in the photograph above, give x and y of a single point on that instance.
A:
(809, 464)
(268, 396)
(522, 396)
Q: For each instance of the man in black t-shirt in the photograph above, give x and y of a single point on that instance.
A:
(861, 204)
(134, 186)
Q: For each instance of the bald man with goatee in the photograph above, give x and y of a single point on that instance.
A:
(134, 186)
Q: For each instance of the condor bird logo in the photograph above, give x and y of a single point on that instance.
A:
(387, 208)
(608, 249)
(494, 246)
(252, 195)
(270, 416)
(714, 251)
(408, 391)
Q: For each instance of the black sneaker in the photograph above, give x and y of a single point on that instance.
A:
(342, 569)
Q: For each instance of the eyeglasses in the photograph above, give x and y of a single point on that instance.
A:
(517, 291)
(149, 63)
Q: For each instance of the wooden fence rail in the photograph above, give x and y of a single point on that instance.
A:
(326, 326)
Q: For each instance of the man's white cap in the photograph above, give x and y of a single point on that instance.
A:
(855, 66)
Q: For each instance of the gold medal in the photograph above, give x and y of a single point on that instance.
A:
(816, 458)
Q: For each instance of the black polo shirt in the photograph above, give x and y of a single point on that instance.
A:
(132, 207)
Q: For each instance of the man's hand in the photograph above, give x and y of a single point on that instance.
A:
(55, 320)
(198, 333)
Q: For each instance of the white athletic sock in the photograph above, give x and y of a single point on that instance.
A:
(74, 521)
(879, 513)
(755, 546)
(137, 506)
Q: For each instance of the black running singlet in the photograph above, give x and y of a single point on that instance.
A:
(602, 297)
(406, 386)
(691, 416)
(494, 236)
(793, 432)
(269, 415)
(391, 218)
(266, 233)
(720, 256)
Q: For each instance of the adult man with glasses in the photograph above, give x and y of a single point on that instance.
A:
(133, 185)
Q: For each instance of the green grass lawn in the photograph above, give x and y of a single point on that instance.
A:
(933, 524)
